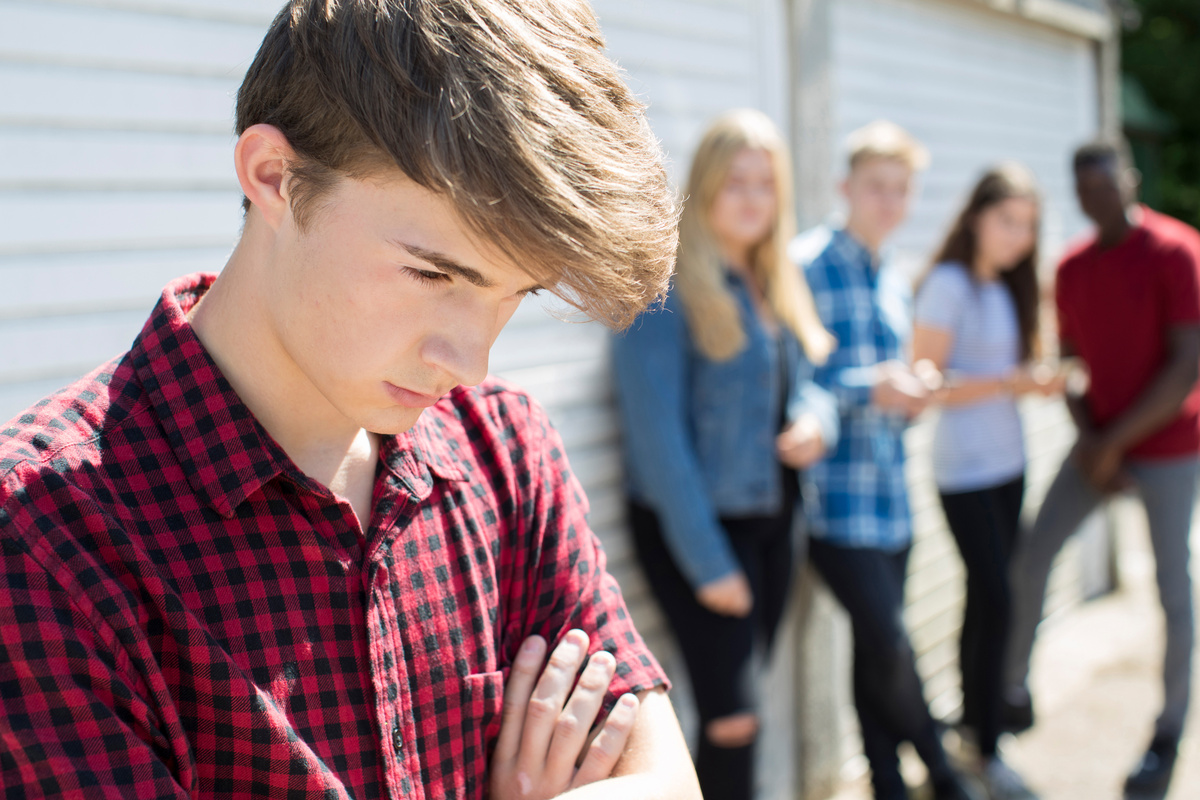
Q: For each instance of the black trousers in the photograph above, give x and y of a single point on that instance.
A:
(723, 654)
(985, 524)
(869, 583)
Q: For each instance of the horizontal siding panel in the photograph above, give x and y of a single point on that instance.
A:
(558, 386)
(64, 347)
(63, 97)
(696, 21)
(60, 222)
(109, 38)
(115, 160)
(554, 343)
(638, 50)
(86, 282)
(259, 12)
(923, 32)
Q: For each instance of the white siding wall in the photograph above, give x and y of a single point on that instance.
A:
(115, 171)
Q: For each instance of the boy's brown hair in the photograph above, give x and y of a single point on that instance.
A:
(508, 107)
(884, 139)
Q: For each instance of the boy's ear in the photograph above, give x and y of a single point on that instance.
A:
(844, 187)
(261, 158)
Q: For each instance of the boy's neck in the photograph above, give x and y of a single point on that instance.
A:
(871, 241)
(1111, 235)
(236, 331)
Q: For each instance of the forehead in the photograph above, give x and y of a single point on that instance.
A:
(1097, 173)
(881, 168)
(391, 208)
(1018, 204)
(751, 159)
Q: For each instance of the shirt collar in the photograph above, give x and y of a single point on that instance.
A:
(225, 452)
(853, 250)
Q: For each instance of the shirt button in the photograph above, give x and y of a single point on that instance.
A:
(397, 738)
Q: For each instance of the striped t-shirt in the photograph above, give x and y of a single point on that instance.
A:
(978, 445)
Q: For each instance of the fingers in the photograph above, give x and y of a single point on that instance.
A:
(524, 674)
(547, 701)
(606, 749)
(575, 721)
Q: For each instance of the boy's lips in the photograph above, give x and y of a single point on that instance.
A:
(409, 398)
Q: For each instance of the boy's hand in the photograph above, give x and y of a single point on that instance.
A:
(897, 389)
(801, 444)
(729, 596)
(546, 746)
(1100, 463)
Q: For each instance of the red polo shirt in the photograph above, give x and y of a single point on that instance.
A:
(1117, 307)
(183, 613)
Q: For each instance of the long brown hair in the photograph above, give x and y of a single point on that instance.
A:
(711, 310)
(1000, 183)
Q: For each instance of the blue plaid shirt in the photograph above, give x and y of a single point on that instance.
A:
(862, 498)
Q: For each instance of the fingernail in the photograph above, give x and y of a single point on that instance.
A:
(628, 700)
(531, 645)
(605, 660)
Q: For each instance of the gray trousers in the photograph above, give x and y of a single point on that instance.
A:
(1168, 490)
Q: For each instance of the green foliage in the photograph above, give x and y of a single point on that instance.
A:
(1164, 55)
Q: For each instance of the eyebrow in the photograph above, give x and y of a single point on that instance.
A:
(448, 265)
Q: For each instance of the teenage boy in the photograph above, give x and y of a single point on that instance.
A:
(280, 548)
(1129, 305)
(861, 530)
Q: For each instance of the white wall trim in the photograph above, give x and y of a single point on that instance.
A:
(1069, 17)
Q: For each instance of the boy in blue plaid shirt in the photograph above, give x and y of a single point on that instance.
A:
(861, 530)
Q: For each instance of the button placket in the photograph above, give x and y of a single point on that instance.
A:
(390, 687)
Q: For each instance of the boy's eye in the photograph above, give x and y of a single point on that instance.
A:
(425, 276)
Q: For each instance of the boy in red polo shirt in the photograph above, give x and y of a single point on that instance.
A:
(1129, 306)
(294, 543)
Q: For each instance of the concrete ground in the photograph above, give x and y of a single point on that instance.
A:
(1096, 688)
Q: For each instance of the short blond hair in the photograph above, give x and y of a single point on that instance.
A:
(885, 139)
(510, 108)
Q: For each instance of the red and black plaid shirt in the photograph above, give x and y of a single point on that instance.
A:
(183, 613)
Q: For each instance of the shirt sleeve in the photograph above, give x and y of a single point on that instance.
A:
(849, 383)
(942, 299)
(73, 722)
(812, 399)
(652, 382)
(1182, 287)
(567, 583)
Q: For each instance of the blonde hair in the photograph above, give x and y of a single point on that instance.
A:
(884, 139)
(510, 108)
(710, 308)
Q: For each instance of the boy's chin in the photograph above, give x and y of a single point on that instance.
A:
(392, 424)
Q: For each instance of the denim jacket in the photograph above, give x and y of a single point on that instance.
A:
(700, 434)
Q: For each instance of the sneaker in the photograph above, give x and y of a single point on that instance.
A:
(1016, 710)
(1152, 775)
(1005, 783)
